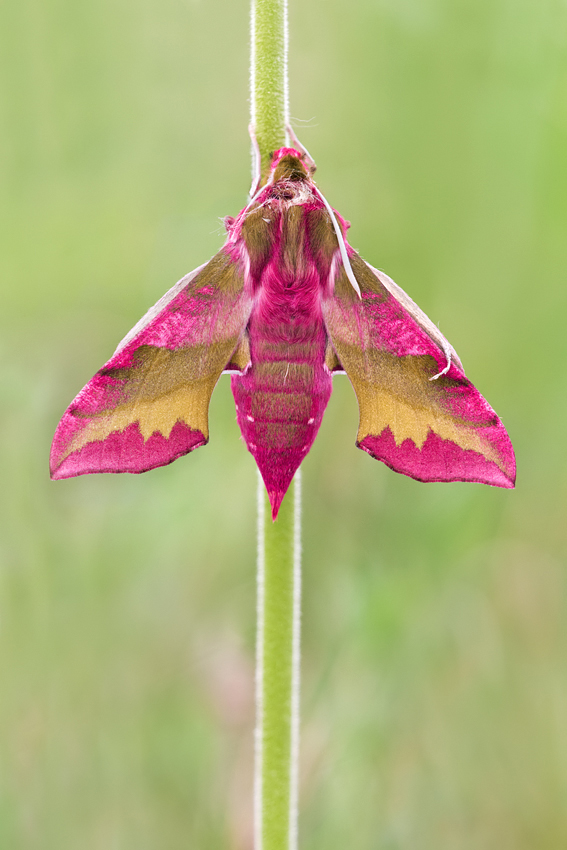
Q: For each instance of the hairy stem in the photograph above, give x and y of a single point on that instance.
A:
(268, 77)
(277, 671)
(279, 576)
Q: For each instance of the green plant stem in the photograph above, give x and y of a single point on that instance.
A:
(268, 77)
(277, 671)
(279, 580)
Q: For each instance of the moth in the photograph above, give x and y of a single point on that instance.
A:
(284, 305)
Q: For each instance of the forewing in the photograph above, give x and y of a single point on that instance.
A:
(430, 426)
(149, 404)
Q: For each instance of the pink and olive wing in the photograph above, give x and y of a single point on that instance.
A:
(149, 404)
(418, 416)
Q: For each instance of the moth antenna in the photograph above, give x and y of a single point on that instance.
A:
(256, 162)
(342, 246)
(447, 353)
(298, 146)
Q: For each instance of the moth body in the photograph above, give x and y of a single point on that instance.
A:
(283, 391)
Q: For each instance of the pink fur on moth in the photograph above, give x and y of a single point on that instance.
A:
(284, 304)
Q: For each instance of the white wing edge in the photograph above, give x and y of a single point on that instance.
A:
(417, 313)
(160, 305)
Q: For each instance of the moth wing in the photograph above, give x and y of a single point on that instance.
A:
(149, 404)
(419, 413)
(418, 315)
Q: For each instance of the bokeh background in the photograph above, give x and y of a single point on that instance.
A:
(434, 703)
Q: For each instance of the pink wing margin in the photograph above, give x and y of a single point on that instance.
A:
(148, 405)
(419, 413)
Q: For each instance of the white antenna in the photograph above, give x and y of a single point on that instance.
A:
(342, 246)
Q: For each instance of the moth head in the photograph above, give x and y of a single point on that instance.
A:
(289, 164)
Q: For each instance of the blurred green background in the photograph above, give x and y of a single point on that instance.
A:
(434, 703)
